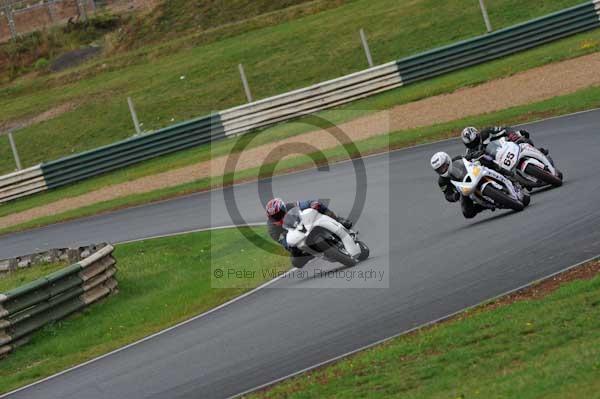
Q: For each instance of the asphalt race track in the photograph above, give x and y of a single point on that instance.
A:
(436, 261)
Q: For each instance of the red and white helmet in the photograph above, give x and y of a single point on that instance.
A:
(276, 209)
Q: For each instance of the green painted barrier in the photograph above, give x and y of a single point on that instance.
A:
(249, 117)
(25, 309)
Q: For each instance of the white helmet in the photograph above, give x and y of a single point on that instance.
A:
(470, 137)
(442, 164)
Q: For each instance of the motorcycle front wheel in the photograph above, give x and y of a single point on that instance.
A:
(334, 253)
(543, 175)
(500, 198)
(331, 251)
(364, 251)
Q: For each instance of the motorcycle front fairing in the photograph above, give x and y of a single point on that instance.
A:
(506, 154)
(296, 232)
(299, 225)
(472, 186)
(334, 227)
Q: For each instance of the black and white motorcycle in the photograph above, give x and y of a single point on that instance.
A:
(487, 187)
(321, 236)
(532, 168)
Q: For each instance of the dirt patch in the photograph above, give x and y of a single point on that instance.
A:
(535, 291)
(524, 88)
(545, 287)
(120, 6)
(74, 58)
(44, 116)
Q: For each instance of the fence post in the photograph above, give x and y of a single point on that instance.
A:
(82, 10)
(13, 146)
(51, 11)
(245, 83)
(365, 44)
(134, 117)
(486, 17)
(10, 19)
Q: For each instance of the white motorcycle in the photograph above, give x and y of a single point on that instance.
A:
(489, 188)
(322, 236)
(532, 167)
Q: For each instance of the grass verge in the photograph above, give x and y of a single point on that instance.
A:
(542, 342)
(174, 86)
(570, 47)
(581, 100)
(161, 282)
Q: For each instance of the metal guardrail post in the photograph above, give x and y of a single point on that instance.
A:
(283, 107)
(11, 22)
(245, 83)
(82, 10)
(134, 117)
(51, 14)
(13, 146)
(486, 17)
(365, 44)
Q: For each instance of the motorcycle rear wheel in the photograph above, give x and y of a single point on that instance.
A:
(543, 175)
(500, 198)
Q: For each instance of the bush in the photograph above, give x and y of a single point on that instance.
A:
(42, 63)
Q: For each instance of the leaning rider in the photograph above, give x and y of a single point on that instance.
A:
(276, 211)
(477, 141)
(447, 168)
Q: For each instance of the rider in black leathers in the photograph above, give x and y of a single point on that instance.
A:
(446, 167)
(476, 141)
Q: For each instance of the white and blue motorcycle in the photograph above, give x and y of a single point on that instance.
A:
(487, 187)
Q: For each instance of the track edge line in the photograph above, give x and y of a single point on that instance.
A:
(156, 334)
(419, 327)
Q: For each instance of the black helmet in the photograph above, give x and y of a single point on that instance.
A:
(470, 137)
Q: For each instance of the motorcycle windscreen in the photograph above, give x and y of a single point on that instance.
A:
(292, 219)
(493, 148)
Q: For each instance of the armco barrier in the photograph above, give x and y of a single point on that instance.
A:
(30, 307)
(54, 255)
(245, 118)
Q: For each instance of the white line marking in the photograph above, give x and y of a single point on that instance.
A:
(285, 275)
(379, 154)
(179, 233)
(231, 301)
(559, 116)
(381, 341)
(312, 169)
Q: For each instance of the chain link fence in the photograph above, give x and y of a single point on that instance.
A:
(24, 16)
